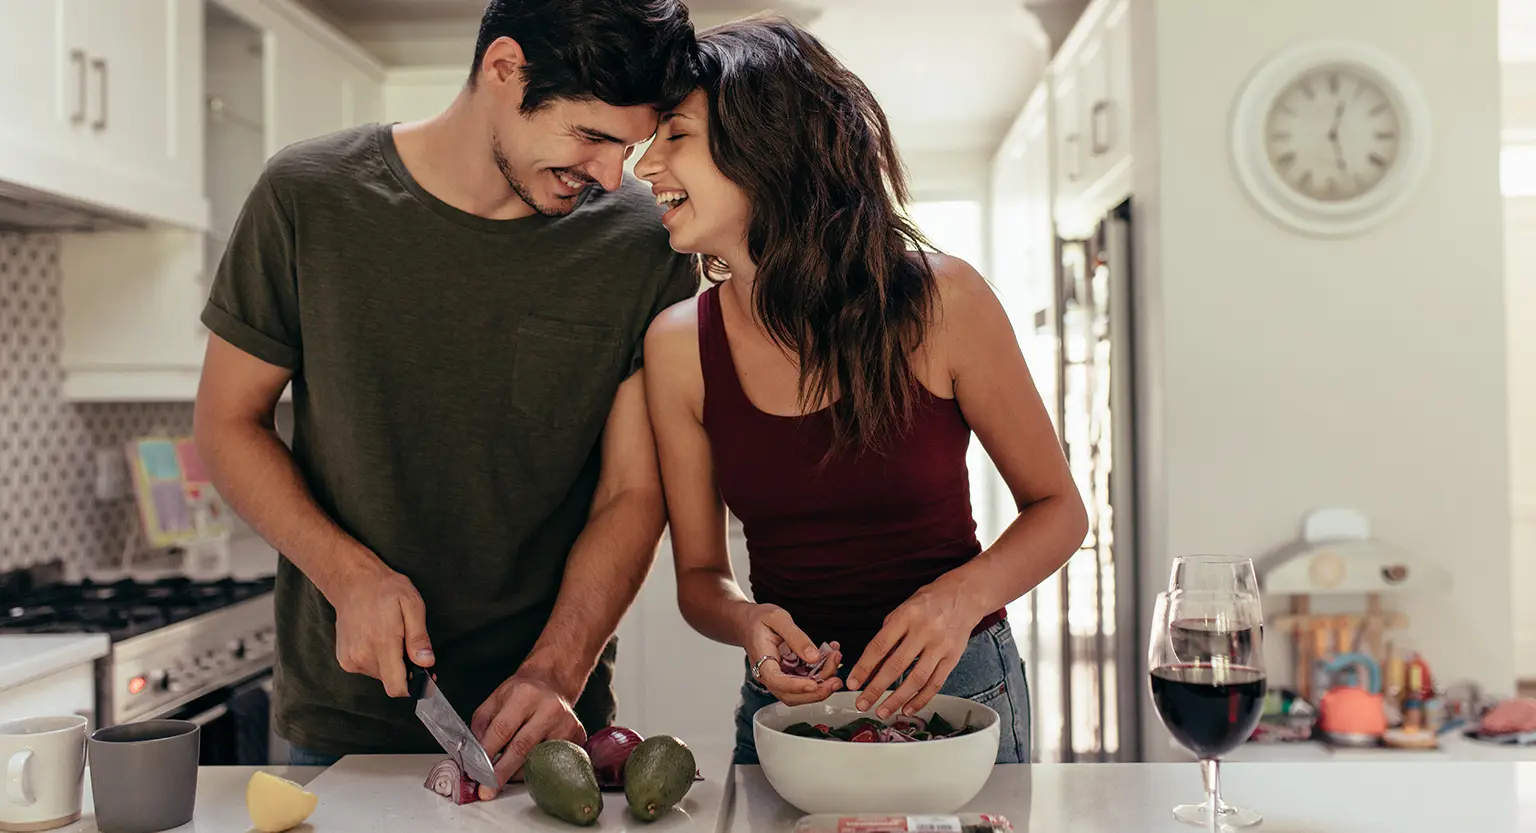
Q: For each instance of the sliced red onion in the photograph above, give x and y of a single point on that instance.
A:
(791, 663)
(448, 780)
(903, 723)
(609, 750)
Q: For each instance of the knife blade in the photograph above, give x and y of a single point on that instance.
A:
(438, 715)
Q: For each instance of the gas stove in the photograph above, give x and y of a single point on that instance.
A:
(122, 609)
(174, 640)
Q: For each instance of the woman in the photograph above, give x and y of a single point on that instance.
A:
(826, 390)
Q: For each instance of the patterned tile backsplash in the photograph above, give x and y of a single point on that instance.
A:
(48, 508)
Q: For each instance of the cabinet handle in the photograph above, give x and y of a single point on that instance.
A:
(1100, 112)
(100, 65)
(77, 57)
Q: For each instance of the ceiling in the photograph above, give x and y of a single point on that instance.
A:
(921, 59)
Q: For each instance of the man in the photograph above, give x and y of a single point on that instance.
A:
(459, 304)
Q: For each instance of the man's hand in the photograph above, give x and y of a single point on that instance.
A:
(521, 713)
(927, 634)
(379, 618)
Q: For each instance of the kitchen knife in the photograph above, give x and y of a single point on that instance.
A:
(437, 714)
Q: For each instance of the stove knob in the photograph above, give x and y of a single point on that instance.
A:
(161, 680)
(237, 648)
(176, 683)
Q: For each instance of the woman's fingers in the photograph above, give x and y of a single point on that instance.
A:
(897, 662)
(829, 668)
(927, 665)
(790, 634)
(769, 674)
(822, 691)
(933, 686)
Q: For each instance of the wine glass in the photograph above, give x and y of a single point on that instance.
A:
(1208, 686)
(1222, 573)
(1213, 572)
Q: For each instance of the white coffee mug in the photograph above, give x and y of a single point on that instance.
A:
(44, 763)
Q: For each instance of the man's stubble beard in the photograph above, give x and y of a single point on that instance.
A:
(518, 186)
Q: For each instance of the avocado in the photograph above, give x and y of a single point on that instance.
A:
(658, 774)
(562, 782)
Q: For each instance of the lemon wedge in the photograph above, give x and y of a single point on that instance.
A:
(277, 804)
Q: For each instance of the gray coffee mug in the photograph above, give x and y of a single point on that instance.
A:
(144, 775)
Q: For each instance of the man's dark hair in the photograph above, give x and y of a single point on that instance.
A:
(620, 52)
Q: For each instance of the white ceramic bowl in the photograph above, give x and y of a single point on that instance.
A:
(922, 777)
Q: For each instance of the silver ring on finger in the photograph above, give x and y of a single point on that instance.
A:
(757, 667)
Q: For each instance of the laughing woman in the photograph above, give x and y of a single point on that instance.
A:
(825, 390)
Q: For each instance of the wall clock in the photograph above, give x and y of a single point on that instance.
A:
(1331, 137)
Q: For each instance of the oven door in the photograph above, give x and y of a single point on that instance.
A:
(234, 722)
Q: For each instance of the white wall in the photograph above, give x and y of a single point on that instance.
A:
(1520, 281)
(1519, 93)
(1290, 373)
(415, 93)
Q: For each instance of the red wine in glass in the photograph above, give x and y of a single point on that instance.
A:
(1209, 709)
(1207, 684)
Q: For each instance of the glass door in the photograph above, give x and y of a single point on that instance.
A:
(1086, 670)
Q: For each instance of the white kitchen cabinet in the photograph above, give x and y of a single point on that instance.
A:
(145, 102)
(44, 43)
(1093, 117)
(1069, 168)
(67, 691)
(362, 99)
(105, 107)
(309, 93)
(273, 75)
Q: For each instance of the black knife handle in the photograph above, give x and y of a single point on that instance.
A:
(415, 679)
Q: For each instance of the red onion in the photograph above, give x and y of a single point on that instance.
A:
(609, 749)
(791, 663)
(449, 781)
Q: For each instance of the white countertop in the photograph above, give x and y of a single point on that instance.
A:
(24, 658)
(1454, 747)
(220, 799)
(359, 790)
(1343, 797)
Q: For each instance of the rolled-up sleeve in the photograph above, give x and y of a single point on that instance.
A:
(254, 303)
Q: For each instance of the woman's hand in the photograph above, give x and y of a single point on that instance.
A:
(928, 634)
(771, 633)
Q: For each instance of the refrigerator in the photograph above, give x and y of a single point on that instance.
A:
(1086, 666)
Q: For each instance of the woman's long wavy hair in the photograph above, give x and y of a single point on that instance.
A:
(836, 284)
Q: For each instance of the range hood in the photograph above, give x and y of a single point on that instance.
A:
(29, 211)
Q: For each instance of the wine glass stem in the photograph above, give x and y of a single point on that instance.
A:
(1211, 771)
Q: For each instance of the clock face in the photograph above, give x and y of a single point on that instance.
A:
(1332, 134)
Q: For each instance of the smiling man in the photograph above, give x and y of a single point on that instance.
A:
(459, 304)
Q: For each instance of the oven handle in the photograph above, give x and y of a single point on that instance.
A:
(210, 715)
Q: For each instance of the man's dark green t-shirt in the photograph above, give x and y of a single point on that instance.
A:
(452, 376)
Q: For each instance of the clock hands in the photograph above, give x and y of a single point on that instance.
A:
(1333, 135)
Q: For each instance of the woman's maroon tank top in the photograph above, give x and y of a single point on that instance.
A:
(841, 546)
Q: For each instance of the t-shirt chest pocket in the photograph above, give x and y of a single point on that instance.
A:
(563, 372)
